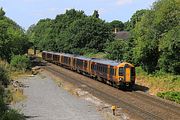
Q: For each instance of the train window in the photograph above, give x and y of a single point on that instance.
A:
(85, 64)
(106, 69)
(69, 61)
(81, 63)
(121, 71)
(111, 71)
(92, 67)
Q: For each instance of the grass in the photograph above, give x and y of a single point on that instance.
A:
(9, 95)
(170, 95)
(12, 115)
(158, 82)
(164, 85)
(14, 95)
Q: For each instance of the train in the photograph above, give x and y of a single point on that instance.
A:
(117, 74)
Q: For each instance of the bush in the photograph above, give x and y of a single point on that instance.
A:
(170, 95)
(4, 77)
(12, 115)
(3, 106)
(20, 62)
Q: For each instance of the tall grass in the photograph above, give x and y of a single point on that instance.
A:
(170, 95)
(5, 112)
(158, 82)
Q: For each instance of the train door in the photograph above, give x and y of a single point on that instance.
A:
(128, 74)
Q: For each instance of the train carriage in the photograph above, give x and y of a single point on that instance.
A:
(111, 72)
(82, 64)
(115, 73)
(48, 56)
(56, 58)
(67, 60)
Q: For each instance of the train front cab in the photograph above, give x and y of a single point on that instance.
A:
(126, 75)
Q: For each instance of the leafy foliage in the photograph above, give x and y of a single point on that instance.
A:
(2, 13)
(116, 50)
(89, 33)
(170, 95)
(12, 38)
(116, 24)
(95, 14)
(169, 47)
(20, 62)
(154, 41)
(4, 78)
(152, 31)
(5, 112)
(71, 32)
(12, 115)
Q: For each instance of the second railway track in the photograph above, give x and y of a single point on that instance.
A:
(137, 104)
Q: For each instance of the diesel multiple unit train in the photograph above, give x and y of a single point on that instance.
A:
(117, 74)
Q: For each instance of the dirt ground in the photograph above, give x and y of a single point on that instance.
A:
(51, 98)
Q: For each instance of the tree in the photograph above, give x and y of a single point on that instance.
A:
(116, 24)
(2, 13)
(116, 50)
(136, 17)
(151, 30)
(169, 47)
(12, 39)
(90, 33)
(71, 32)
(95, 14)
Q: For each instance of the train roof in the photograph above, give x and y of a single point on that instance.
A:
(83, 58)
(68, 55)
(105, 61)
(47, 52)
(97, 60)
(55, 53)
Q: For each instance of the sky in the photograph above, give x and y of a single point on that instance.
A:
(28, 12)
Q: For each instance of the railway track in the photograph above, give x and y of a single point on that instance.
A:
(136, 103)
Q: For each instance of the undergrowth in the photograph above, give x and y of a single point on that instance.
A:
(6, 96)
(159, 83)
(170, 95)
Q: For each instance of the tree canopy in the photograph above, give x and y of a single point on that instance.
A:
(153, 44)
(155, 34)
(12, 38)
(71, 32)
(116, 24)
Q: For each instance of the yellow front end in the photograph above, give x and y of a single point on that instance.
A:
(126, 74)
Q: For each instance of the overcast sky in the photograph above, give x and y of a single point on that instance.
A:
(28, 12)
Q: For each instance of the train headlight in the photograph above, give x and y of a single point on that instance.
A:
(120, 79)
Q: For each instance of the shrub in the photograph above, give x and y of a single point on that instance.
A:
(170, 95)
(4, 77)
(12, 115)
(20, 62)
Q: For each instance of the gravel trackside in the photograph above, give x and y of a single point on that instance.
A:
(46, 101)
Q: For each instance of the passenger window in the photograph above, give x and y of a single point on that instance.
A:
(121, 71)
(111, 71)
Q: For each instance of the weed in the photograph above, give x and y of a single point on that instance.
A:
(170, 95)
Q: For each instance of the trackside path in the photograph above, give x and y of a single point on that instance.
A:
(46, 101)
